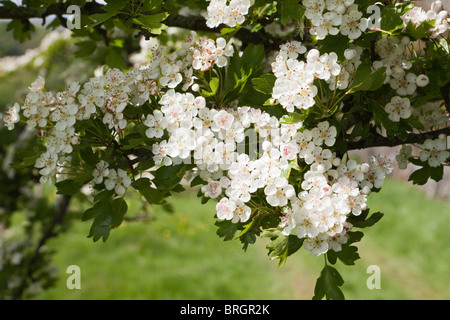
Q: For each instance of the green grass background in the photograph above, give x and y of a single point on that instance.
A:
(179, 256)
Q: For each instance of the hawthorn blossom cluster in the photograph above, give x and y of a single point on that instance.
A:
(294, 86)
(433, 151)
(393, 56)
(331, 190)
(333, 17)
(432, 114)
(319, 213)
(242, 153)
(227, 12)
(439, 16)
(105, 97)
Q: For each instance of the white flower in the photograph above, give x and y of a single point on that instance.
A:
(317, 245)
(225, 209)
(403, 156)
(242, 212)
(160, 155)
(12, 116)
(37, 85)
(291, 50)
(212, 190)
(100, 171)
(398, 108)
(404, 85)
(353, 24)
(156, 123)
(47, 163)
(181, 143)
(223, 120)
(117, 180)
(306, 223)
(326, 24)
(422, 80)
(277, 194)
(435, 152)
(324, 133)
(338, 6)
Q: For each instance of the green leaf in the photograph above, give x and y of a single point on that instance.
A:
(226, 229)
(365, 80)
(421, 176)
(264, 84)
(67, 187)
(150, 194)
(282, 246)
(89, 157)
(197, 181)
(362, 221)
(420, 31)
(119, 209)
(100, 18)
(168, 177)
(114, 59)
(102, 213)
(26, 158)
(131, 141)
(114, 6)
(290, 9)
(214, 86)
(327, 285)
(348, 255)
(85, 48)
(152, 23)
(390, 18)
(296, 117)
(337, 44)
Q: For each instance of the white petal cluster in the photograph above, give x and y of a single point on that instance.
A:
(227, 12)
(320, 211)
(12, 116)
(294, 86)
(211, 52)
(333, 17)
(432, 114)
(398, 108)
(440, 17)
(392, 51)
(435, 151)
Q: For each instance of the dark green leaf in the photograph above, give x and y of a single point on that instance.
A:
(282, 246)
(131, 141)
(390, 18)
(226, 229)
(264, 83)
(150, 194)
(365, 80)
(119, 209)
(327, 285)
(290, 9)
(153, 22)
(421, 176)
(67, 187)
(168, 177)
(362, 221)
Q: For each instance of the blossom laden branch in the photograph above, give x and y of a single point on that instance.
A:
(382, 141)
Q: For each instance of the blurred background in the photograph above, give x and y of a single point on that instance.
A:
(173, 252)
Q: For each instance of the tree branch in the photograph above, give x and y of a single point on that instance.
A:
(381, 141)
(196, 23)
